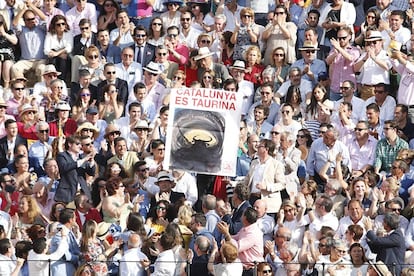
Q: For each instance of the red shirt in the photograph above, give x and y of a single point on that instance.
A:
(255, 76)
(27, 133)
(69, 128)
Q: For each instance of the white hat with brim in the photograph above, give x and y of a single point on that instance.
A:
(63, 106)
(373, 36)
(50, 68)
(164, 176)
(307, 45)
(203, 52)
(153, 67)
(238, 65)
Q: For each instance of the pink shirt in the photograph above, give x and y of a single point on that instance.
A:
(361, 156)
(249, 242)
(406, 89)
(183, 51)
(143, 9)
(342, 69)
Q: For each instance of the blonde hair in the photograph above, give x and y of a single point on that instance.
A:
(34, 209)
(184, 215)
(254, 48)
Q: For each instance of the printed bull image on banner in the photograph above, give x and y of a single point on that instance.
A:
(203, 131)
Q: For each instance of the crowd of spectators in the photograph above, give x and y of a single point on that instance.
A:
(324, 175)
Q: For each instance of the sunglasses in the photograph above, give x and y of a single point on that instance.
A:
(29, 19)
(285, 111)
(85, 94)
(396, 209)
(274, 133)
(144, 170)
(156, 24)
(207, 77)
(344, 88)
(84, 28)
(19, 88)
(310, 51)
(110, 73)
(58, 87)
(61, 24)
(359, 129)
(160, 208)
(205, 41)
(43, 130)
(162, 54)
(172, 35)
(186, 19)
(87, 145)
(140, 35)
(246, 16)
(115, 133)
(300, 136)
(93, 56)
(177, 78)
(279, 13)
(372, 42)
(279, 55)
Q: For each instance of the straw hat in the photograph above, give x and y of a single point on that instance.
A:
(202, 53)
(307, 45)
(374, 35)
(26, 108)
(88, 125)
(50, 68)
(238, 65)
(153, 67)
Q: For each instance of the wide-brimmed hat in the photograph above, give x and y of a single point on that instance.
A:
(179, 2)
(202, 53)
(111, 128)
(239, 65)
(153, 67)
(374, 35)
(26, 108)
(63, 106)
(164, 176)
(19, 76)
(88, 125)
(380, 268)
(308, 45)
(141, 124)
(3, 102)
(50, 68)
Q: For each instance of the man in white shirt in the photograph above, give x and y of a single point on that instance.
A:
(321, 215)
(81, 10)
(188, 34)
(128, 69)
(186, 184)
(134, 262)
(41, 147)
(122, 36)
(9, 266)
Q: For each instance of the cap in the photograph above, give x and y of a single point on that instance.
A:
(92, 110)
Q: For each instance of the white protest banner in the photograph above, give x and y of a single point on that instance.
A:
(203, 131)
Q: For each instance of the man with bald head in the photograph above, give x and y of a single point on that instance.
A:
(265, 222)
(281, 238)
(201, 257)
(134, 261)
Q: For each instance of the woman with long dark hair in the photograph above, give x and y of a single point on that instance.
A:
(156, 32)
(107, 17)
(59, 44)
